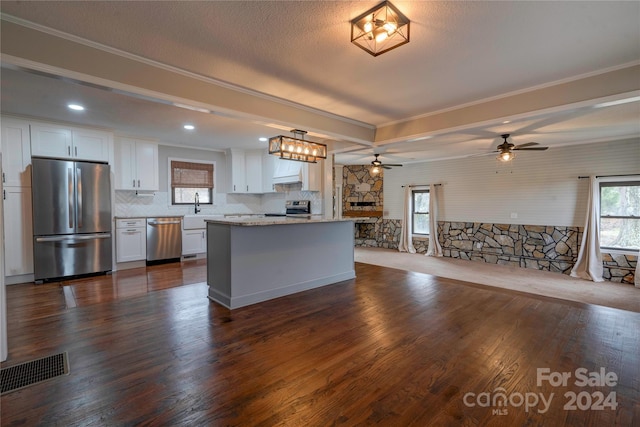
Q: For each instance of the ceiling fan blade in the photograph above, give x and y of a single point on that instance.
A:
(386, 167)
(532, 148)
(483, 154)
(526, 144)
(391, 164)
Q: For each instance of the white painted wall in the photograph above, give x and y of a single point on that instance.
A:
(542, 188)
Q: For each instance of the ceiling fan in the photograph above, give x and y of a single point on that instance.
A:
(378, 164)
(506, 149)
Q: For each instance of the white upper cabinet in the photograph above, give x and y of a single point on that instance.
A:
(15, 145)
(312, 177)
(236, 175)
(91, 145)
(136, 165)
(253, 171)
(268, 168)
(70, 143)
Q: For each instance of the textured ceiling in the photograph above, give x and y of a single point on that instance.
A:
(460, 53)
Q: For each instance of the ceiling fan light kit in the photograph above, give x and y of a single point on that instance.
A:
(506, 156)
(380, 29)
(377, 165)
(506, 149)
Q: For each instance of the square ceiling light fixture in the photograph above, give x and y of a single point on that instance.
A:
(380, 29)
(292, 148)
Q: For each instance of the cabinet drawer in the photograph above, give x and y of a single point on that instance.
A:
(131, 223)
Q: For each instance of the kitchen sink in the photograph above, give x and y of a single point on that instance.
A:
(191, 222)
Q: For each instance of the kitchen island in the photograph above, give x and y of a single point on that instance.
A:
(250, 260)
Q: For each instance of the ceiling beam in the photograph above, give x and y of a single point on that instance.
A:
(562, 96)
(82, 60)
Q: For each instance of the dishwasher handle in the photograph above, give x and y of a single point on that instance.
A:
(162, 222)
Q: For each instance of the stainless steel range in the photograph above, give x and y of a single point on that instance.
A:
(295, 208)
(298, 207)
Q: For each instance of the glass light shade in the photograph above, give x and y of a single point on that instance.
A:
(380, 29)
(506, 156)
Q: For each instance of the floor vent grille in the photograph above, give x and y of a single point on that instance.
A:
(25, 374)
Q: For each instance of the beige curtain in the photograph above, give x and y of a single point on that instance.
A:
(434, 244)
(589, 263)
(636, 280)
(406, 244)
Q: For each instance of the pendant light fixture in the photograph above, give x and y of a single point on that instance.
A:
(296, 148)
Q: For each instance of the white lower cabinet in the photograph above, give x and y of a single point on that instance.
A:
(18, 231)
(131, 239)
(194, 241)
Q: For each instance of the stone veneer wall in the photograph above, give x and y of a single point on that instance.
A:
(550, 248)
(353, 177)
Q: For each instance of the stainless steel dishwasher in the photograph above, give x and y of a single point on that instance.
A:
(164, 239)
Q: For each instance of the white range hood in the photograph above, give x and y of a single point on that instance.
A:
(287, 172)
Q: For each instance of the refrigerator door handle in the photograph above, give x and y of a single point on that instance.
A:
(79, 195)
(64, 238)
(70, 190)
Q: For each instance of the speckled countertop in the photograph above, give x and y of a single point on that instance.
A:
(275, 220)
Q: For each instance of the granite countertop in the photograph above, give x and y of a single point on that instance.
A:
(275, 220)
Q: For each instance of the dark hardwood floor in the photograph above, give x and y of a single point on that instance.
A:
(390, 348)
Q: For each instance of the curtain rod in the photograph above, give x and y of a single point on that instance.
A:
(421, 185)
(608, 176)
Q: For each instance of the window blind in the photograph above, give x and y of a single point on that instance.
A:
(191, 175)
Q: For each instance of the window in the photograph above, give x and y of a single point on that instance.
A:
(189, 179)
(620, 215)
(420, 212)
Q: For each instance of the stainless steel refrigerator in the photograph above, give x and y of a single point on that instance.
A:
(71, 218)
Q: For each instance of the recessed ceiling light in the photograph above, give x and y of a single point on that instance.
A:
(506, 121)
(263, 139)
(189, 127)
(75, 107)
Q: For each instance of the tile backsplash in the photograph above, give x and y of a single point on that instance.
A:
(130, 204)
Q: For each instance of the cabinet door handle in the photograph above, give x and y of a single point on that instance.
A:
(203, 234)
(138, 183)
(134, 183)
(68, 150)
(3, 178)
(247, 188)
(234, 187)
(76, 150)
(4, 194)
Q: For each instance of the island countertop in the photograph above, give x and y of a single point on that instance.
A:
(275, 220)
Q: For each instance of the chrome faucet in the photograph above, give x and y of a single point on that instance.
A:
(197, 203)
